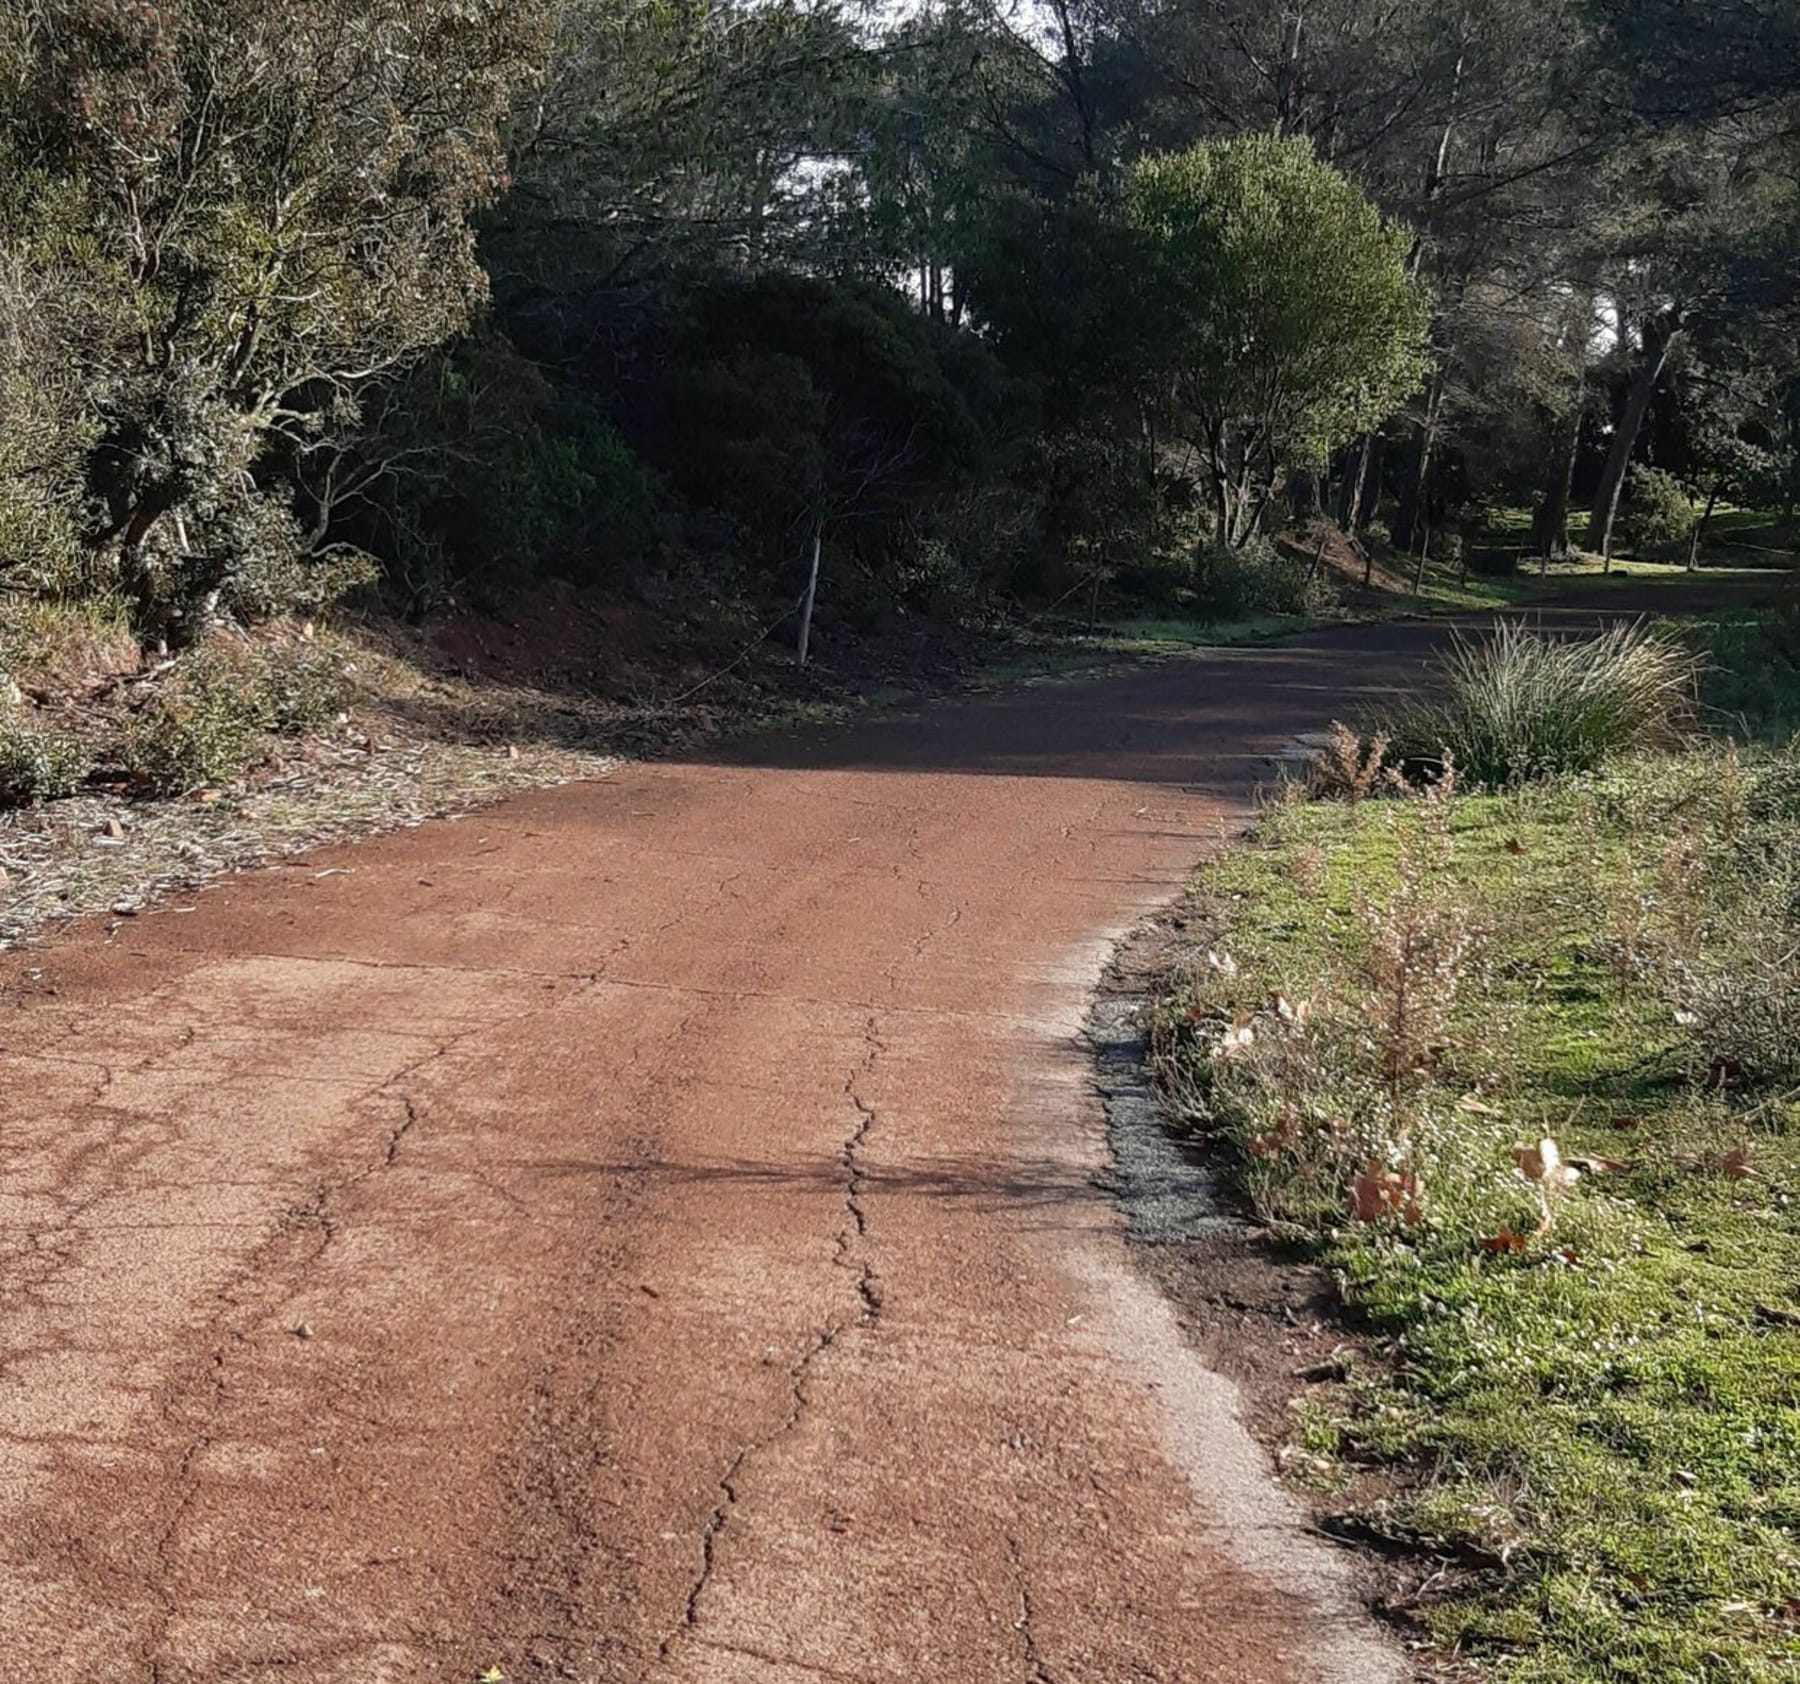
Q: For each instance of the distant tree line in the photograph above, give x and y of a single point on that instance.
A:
(436, 296)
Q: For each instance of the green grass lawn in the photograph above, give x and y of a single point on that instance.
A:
(1594, 1422)
(1448, 588)
(1046, 654)
(1735, 538)
(1752, 535)
(1751, 683)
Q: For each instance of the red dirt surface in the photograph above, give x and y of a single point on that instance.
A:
(646, 1231)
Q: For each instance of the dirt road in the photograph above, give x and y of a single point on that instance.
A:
(646, 1232)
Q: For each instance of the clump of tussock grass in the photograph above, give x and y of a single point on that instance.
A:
(1520, 705)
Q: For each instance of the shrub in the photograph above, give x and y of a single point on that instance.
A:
(270, 574)
(1343, 768)
(37, 764)
(299, 686)
(201, 727)
(1520, 705)
(1327, 1091)
(1288, 315)
(1655, 509)
(1255, 578)
(1743, 1016)
(1775, 791)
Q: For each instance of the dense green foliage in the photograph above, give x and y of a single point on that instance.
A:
(443, 295)
(1283, 306)
(221, 224)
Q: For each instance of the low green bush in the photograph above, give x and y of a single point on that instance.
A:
(301, 686)
(203, 726)
(1654, 510)
(38, 764)
(207, 722)
(1520, 705)
(1256, 578)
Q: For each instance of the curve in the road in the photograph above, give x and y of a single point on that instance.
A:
(647, 1231)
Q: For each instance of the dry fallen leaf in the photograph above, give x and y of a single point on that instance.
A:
(1514, 845)
(1475, 1105)
(1377, 1191)
(1505, 1240)
(1238, 1038)
(1294, 1013)
(1589, 1164)
(1737, 1162)
(1543, 1164)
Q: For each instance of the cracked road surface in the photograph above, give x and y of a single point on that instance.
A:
(646, 1231)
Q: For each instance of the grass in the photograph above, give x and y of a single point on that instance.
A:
(54, 646)
(1734, 536)
(1751, 674)
(1519, 705)
(1592, 1423)
(1041, 655)
(1446, 588)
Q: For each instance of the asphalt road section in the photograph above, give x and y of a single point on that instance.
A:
(647, 1231)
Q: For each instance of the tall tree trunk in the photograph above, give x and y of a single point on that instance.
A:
(1698, 535)
(1222, 505)
(1550, 524)
(1359, 500)
(1412, 491)
(1660, 338)
(1287, 79)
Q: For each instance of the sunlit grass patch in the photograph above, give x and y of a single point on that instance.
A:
(1589, 1392)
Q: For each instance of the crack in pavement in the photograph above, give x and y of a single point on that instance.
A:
(850, 1241)
(1025, 1624)
(852, 1237)
(263, 1273)
(729, 1495)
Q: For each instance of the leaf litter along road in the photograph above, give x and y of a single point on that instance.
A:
(648, 1231)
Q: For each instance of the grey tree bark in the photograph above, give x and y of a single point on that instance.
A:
(1550, 524)
(806, 603)
(1660, 336)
